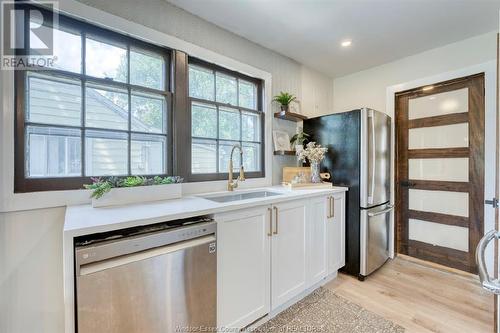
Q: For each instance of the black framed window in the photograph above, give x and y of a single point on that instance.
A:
(225, 109)
(103, 109)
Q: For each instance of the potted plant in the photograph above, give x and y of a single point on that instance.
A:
(315, 154)
(111, 191)
(298, 141)
(284, 99)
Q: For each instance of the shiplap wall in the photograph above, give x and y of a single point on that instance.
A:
(314, 89)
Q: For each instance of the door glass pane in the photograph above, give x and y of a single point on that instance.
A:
(105, 60)
(147, 154)
(251, 156)
(204, 120)
(250, 123)
(226, 89)
(456, 101)
(225, 154)
(53, 100)
(443, 169)
(106, 153)
(439, 234)
(448, 136)
(147, 69)
(106, 108)
(452, 203)
(53, 152)
(201, 83)
(203, 156)
(229, 124)
(148, 113)
(247, 94)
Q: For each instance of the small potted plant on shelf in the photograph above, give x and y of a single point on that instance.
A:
(111, 191)
(284, 99)
(298, 141)
(315, 154)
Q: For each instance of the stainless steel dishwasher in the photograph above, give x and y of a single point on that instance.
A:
(159, 278)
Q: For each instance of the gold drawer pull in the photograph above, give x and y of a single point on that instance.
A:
(270, 233)
(276, 222)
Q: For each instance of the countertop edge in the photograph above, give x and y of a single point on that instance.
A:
(75, 215)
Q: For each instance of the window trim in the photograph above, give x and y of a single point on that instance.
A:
(24, 184)
(201, 177)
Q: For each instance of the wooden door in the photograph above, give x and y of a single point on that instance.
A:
(243, 266)
(288, 252)
(440, 171)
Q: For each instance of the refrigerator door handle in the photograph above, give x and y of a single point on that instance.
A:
(374, 156)
(384, 211)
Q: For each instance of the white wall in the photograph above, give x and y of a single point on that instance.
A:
(368, 88)
(31, 289)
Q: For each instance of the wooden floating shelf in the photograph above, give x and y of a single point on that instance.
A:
(284, 152)
(289, 116)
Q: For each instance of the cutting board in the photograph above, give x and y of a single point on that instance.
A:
(290, 172)
(308, 186)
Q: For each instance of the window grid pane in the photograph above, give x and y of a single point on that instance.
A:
(70, 114)
(225, 127)
(224, 116)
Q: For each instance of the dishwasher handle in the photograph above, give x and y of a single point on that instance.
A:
(98, 266)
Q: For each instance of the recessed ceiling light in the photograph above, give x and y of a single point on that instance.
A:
(427, 88)
(346, 43)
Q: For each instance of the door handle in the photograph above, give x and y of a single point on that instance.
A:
(388, 209)
(276, 220)
(270, 233)
(486, 282)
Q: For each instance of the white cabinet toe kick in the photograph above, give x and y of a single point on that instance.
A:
(271, 256)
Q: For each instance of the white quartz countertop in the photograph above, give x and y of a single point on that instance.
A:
(84, 219)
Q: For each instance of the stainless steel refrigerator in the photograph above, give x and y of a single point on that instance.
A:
(359, 157)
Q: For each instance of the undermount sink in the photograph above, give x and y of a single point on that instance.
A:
(242, 196)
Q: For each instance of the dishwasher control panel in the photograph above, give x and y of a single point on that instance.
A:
(115, 246)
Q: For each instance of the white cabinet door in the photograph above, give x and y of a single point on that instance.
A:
(288, 276)
(316, 255)
(243, 266)
(336, 232)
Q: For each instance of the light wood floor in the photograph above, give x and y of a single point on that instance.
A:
(421, 298)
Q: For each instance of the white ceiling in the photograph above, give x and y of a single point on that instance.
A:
(310, 31)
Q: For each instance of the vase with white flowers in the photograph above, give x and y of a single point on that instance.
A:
(314, 153)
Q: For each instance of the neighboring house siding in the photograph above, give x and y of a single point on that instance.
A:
(60, 103)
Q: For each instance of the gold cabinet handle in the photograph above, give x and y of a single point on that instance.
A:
(329, 214)
(276, 220)
(332, 205)
(270, 233)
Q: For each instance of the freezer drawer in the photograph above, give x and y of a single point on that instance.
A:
(164, 289)
(374, 242)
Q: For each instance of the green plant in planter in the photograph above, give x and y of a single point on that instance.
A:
(133, 181)
(284, 99)
(299, 138)
(101, 186)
